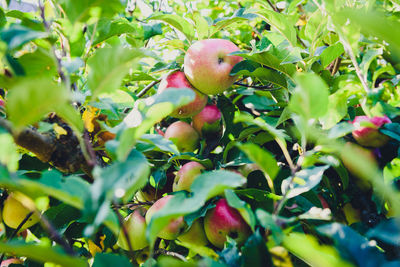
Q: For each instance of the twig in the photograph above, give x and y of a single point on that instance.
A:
(170, 253)
(132, 205)
(260, 87)
(147, 88)
(273, 6)
(89, 148)
(16, 231)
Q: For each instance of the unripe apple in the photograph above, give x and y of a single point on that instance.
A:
(174, 228)
(186, 175)
(135, 224)
(14, 212)
(177, 80)
(207, 65)
(195, 235)
(183, 135)
(223, 221)
(370, 136)
(208, 121)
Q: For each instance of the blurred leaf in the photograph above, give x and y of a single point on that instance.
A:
(303, 181)
(392, 130)
(38, 63)
(3, 19)
(202, 27)
(368, 57)
(108, 77)
(255, 252)
(178, 22)
(8, 152)
(315, 27)
(151, 30)
(32, 98)
(331, 53)
(160, 142)
(387, 231)
(244, 208)
(392, 170)
(310, 99)
(15, 36)
(108, 259)
(269, 222)
(239, 15)
(41, 253)
(205, 162)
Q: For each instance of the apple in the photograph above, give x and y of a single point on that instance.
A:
(195, 235)
(14, 212)
(183, 135)
(174, 228)
(10, 261)
(177, 80)
(208, 121)
(223, 221)
(207, 65)
(135, 224)
(1, 102)
(186, 175)
(370, 136)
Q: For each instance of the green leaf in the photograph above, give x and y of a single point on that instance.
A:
(108, 259)
(243, 207)
(310, 99)
(303, 181)
(104, 78)
(392, 170)
(41, 253)
(202, 27)
(207, 185)
(255, 252)
(176, 21)
(32, 98)
(8, 152)
(38, 63)
(315, 28)
(238, 16)
(263, 158)
(16, 36)
(151, 30)
(331, 53)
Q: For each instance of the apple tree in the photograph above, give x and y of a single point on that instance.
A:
(199, 133)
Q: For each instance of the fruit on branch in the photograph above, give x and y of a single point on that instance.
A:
(11, 261)
(177, 80)
(16, 208)
(183, 135)
(369, 135)
(208, 122)
(186, 175)
(207, 65)
(223, 221)
(135, 225)
(195, 235)
(175, 226)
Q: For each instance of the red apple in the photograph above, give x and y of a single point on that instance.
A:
(207, 65)
(8, 262)
(370, 136)
(208, 121)
(183, 135)
(223, 221)
(186, 175)
(177, 80)
(175, 226)
(195, 235)
(1, 102)
(135, 224)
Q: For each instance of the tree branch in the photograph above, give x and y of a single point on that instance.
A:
(147, 88)
(259, 87)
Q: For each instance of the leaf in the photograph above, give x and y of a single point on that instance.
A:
(32, 98)
(178, 22)
(108, 259)
(38, 63)
(263, 158)
(41, 253)
(310, 99)
(255, 252)
(207, 185)
(238, 16)
(105, 78)
(244, 208)
(8, 152)
(392, 130)
(392, 170)
(160, 142)
(331, 53)
(303, 181)
(315, 26)
(202, 27)
(16, 36)
(387, 231)
(151, 30)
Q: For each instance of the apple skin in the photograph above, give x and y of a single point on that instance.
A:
(135, 224)
(223, 221)
(183, 135)
(195, 235)
(8, 262)
(186, 175)
(177, 80)
(370, 136)
(175, 226)
(208, 121)
(207, 65)
(14, 212)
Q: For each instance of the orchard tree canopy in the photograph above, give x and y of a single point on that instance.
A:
(200, 133)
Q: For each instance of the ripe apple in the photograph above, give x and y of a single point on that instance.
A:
(223, 221)
(207, 65)
(186, 175)
(175, 226)
(135, 224)
(178, 80)
(208, 121)
(10, 261)
(14, 212)
(195, 235)
(183, 135)
(370, 136)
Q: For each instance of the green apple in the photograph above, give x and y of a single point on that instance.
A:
(175, 227)
(177, 80)
(195, 235)
(207, 65)
(183, 135)
(16, 207)
(223, 221)
(186, 175)
(135, 224)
